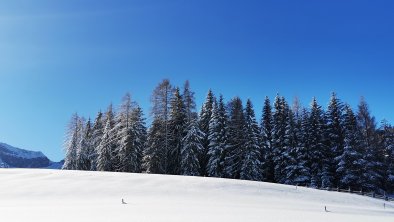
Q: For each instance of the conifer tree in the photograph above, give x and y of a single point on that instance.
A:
(107, 144)
(278, 137)
(235, 151)
(266, 142)
(177, 129)
(97, 134)
(251, 164)
(388, 144)
(85, 148)
(335, 137)
(350, 163)
(218, 137)
(316, 145)
(204, 119)
(191, 147)
(72, 143)
(155, 155)
(373, 167)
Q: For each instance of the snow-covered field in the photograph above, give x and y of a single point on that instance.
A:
(52, 195)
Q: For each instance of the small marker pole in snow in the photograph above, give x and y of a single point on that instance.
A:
(123, 201)
(325, 209)
(384, 205)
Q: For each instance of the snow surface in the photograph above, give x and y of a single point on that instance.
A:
(26, 154)
(52, 195)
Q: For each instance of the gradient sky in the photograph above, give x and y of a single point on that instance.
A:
(61, 57)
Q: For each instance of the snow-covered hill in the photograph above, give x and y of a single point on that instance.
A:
(53, 195)
(12, 157)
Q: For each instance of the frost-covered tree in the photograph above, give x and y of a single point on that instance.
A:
(335, 137)
(177, 130)
(131, 136)
(155, 154)
(278, 138)
(161, 100)
(204, 119)
(73, 141)
(85, 148)
(350, 163)
(107, 144)
(388, 144)
(235, 151)
(302, 175)
(97, 135)
(189, 103)
(373, 167)
(317, 149)
(218, 137)
(191, 147)
(266, 142)
(251, 163)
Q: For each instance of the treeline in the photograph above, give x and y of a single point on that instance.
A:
(336, 147)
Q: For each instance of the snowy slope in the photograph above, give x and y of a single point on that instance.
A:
(53, 195)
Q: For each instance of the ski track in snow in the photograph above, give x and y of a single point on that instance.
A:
(53, 195)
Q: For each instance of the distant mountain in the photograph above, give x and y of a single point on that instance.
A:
(12, 157)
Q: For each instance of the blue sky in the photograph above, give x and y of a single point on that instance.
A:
(60, 57)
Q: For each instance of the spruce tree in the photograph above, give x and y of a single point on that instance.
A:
(218, 138)
(97, 135)
(85, 148)
(251, 164)
(278, 137)
(317, 149)
(266, 142)
(191, 147)
(373, 167)
(155, 154)
(177, 129)
(302, 171)
(107, 144)
(350, 163)
(235, 151)
(72, 144)
(388, 144)
(335, 137)
(204, 119)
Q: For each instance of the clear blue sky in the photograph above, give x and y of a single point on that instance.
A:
(61, 57)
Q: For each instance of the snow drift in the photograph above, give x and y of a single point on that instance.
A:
(53, 195)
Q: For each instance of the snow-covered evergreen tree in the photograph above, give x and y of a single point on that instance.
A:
(373, 167)
(302, 175)
(388, 144)
(350, 163)
(161, 100)
(97, 135)
(73, 141)
(335, 137)
(85, 148)
(218, 137)
(317, 149)
(191, 147)
(235, 151)
(177, 129)
(131, 136)
(266, 142)
(251, 163)
(204, 119)
(107, 144)
(155, 154)
(278, 138)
